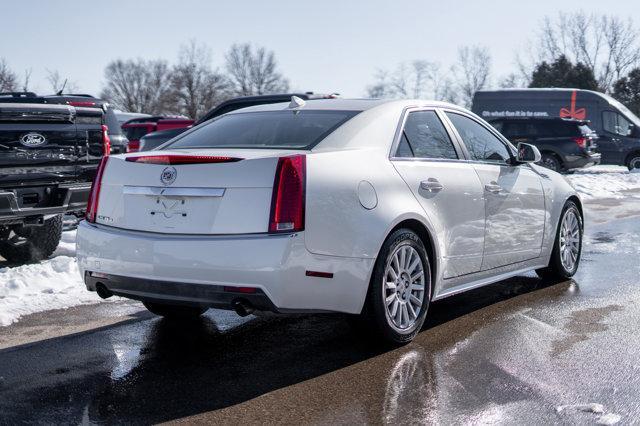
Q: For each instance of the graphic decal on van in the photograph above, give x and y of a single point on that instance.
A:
(572, 112)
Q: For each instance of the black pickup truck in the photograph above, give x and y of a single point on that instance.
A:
(49, 154)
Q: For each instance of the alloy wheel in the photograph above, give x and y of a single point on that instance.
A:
(570, 240)
(404, 287)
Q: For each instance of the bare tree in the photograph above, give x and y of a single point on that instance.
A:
(27, 79)
(139, 85)
(196, 86)
(8, 79)
(416, 79)
(607, 45)
(59, 83)
(472, 71)
(253, 71)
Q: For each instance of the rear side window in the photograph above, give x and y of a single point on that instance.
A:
(268, 129)
(480, 142)
(424, 136)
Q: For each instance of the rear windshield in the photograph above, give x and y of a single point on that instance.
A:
(268, 129)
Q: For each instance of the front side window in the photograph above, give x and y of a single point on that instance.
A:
(616, 123)
(265, 129)
(424, 136)
(480, 142)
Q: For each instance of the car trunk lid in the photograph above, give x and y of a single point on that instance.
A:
(211, 191)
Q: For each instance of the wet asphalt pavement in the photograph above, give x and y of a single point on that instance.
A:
(520, 351)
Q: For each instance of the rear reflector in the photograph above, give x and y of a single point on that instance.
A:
(245, 290)
(288, 199)
(170, 160)
(94, 194)
(319, 274)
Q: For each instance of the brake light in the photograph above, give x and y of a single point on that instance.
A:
(288, 199)
(581, 142)
(94, 194)
(106, 141)
(81, 103)
(133, 146)
(169, 160)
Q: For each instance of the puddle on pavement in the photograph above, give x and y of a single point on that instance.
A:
(581, 325)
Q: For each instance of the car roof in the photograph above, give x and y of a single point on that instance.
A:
(347, 105)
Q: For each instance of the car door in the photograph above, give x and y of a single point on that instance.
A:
(513, 195)
(610, 143)
(447, 187)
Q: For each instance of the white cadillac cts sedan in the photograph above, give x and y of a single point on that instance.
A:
(366, 207)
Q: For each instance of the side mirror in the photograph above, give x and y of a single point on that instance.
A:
(528, 153)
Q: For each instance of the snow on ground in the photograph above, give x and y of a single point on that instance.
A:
(605, 182)
(51, 284)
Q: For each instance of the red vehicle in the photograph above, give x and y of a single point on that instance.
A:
(138, 127)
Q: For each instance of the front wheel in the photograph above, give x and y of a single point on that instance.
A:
(400, 289)
(567, 247)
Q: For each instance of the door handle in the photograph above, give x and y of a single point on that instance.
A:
(493, 188)
(431, 185)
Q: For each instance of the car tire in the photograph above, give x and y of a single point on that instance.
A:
(412, 284)
(559, 268)
(178, 312)
(551, 162)
(32, 243)
(633, 162)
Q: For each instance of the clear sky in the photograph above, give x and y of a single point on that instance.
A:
(324, 46)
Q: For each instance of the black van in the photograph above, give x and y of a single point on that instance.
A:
(617, 127)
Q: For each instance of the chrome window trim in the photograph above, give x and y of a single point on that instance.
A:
(398, 135)
(491, 129)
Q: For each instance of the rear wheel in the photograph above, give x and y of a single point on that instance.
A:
(175, 311)
(551, 162)
(32, 243)
(567, 247)
(633, 162)
(400, 289)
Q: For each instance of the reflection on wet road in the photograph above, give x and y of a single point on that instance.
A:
(520, 351)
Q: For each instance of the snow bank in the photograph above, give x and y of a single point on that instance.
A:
(52, 284)
(606, 182)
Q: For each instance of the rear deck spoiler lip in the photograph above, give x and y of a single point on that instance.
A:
(176, 159)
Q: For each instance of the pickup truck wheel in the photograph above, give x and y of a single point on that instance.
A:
(32, 243)
(551, 162)
(175, 311)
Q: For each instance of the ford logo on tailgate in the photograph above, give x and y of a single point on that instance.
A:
(33, 139)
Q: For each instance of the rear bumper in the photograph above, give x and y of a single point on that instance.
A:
(196, 269)
(58, 199)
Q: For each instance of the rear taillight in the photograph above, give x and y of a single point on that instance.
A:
(82, 103)
(106, 141)
(171, 160)
(581, 142)
(288, 199)
(133, 146)
(94, 194)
